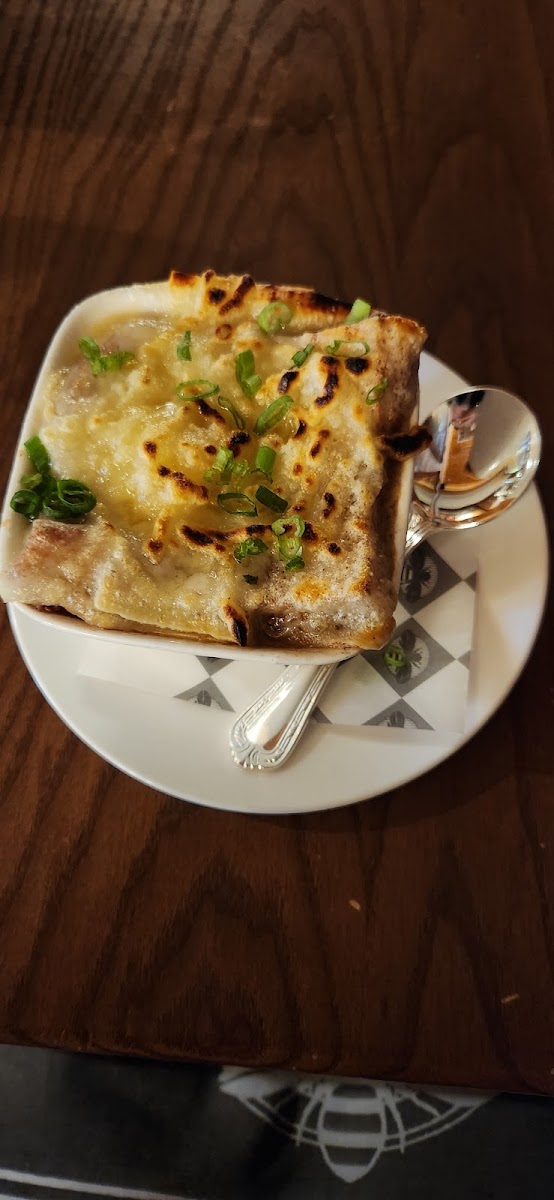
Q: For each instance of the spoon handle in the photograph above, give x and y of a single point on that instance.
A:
(420, 526)
(266, 733)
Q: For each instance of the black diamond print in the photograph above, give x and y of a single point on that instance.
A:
(425, 577)
(399, 716)
(411, 657)
(207, 693)
(320, 717)
(212, 665)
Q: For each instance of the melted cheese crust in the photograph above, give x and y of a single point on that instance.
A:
(157, 552)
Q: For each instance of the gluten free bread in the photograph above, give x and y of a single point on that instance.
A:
(243, 456)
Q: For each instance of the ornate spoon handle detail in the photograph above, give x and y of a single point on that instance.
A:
(265, 733)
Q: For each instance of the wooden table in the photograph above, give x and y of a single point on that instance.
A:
(399, 150)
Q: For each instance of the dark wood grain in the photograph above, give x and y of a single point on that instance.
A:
(397, 150)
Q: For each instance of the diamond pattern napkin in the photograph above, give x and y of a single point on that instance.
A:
(420, 680)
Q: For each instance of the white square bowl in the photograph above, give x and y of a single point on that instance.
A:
(142, 300)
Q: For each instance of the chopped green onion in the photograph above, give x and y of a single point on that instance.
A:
(301, 355)
(237, 503)
(223, 459)
(265, 458)
(246, 373)
(183, 349)
(274, 317)
(230, 407)
(92, 352)
(271, 500)
(240, 467)
(221, 470)
(350, 351)
(217, 474)
(60, 499)
(38, 454)
(376, 392)
(31, 482)
(281, 525)
(359, 311)
(274, 413)
(70, 501)
(116, 360)
(250, 578)
(196, 389)
(250, 547)
(289, 547)
(75, 495)
(104, 362)
(395, 657)
(289, 544)
(26, 502)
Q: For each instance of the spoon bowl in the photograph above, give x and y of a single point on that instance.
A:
(485, 450)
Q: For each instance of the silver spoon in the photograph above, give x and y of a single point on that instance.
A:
(485, 451)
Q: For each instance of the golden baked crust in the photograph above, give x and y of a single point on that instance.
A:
(157, 552)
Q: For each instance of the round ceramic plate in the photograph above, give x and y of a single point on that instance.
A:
(182, 749)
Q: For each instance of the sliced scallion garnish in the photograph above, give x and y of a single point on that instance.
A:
(196, 389)
(75, 496)
(70, 501)
(240, 468)
(301, 355)
(245, 371)
(289, 544)
(31, 482)
(104, 362)
(274, 317)
(38, 454)
(351, 350)
(183, 349)
(270, 416)
(230, 407)
(221, 470)
(59, 499)
(376, 392)
(271, 500)
(116, 360)
(250, 547)
(359, 311)
(26, 502)
(281, 525)
(237, 503)
(289, 547)
(395, 657)
(265, 459)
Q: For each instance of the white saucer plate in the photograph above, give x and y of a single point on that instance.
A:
(182, 749)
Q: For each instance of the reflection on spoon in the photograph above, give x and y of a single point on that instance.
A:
(485, 450)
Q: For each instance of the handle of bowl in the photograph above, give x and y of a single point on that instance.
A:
(267, 732)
